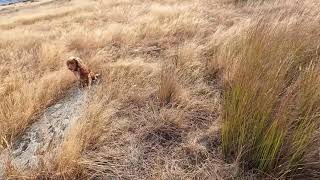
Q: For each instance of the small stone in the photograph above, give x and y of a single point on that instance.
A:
(64, 126)
(57, 106)
(24, 147)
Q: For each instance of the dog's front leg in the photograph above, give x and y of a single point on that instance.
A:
(89, 82)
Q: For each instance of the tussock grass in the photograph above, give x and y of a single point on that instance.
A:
(168, 89)
(32, 79)
(273, 97)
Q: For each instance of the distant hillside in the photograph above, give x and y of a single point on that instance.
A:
(5, 2)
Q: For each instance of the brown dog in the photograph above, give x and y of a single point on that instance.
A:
(81, 71)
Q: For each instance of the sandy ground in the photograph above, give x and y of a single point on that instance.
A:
(47, 132)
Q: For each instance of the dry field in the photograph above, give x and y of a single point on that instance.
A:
(190, 89)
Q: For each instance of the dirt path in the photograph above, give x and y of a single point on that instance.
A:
(46, 133)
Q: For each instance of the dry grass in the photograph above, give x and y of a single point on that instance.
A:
(189, 89)
(32, 77)
(273, 105)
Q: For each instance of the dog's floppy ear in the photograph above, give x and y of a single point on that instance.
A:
(78, 61)
(75, 60)
(69, 61)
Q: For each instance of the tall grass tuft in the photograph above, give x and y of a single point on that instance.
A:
(271, 105)
(167, 86)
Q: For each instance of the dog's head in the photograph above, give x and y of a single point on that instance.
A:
(73, 63)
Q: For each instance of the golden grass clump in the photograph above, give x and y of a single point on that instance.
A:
(32, 79)
(271, 105)
(168, 87)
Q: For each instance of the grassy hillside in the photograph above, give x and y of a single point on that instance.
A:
(190, 89)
